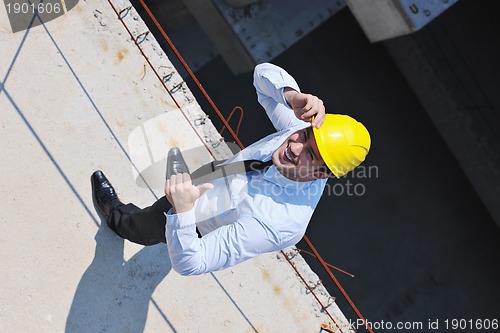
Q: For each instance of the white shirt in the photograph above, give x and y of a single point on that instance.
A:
(253, 213)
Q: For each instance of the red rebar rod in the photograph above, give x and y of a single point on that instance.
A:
(310, 290)
(342, 290)
(188, 69)
(329, 265)
(118, 14)
(242, 113)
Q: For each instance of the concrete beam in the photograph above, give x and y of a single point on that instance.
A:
(222, 35)
(470, 133)
(384, 19)
(258, 32)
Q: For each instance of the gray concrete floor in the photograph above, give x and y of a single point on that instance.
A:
(419, 240)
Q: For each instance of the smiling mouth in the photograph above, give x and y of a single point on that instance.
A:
(287, 156)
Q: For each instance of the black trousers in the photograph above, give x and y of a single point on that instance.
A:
(144, 226)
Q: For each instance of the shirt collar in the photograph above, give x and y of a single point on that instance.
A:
(274, 176)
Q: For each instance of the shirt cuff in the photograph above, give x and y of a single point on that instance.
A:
(180, 221)
(281, 88)
(283, 99)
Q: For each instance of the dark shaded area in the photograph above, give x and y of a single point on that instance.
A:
(420, 242)
(100, 303)
(452, 68)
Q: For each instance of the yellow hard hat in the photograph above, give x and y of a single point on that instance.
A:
(343, 143)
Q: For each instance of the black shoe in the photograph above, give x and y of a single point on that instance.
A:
(175, 163)
(104, 194)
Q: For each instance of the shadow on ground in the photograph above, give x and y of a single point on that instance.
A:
(113, 294)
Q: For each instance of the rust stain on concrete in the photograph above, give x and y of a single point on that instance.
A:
(173, 142)
(277, 290)
(104, 46)
(162, 127)
(165, 102)
(121, 54)
(77, 8)
(266, 275)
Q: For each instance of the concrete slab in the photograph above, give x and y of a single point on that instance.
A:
(392, 18)
(73, 93)
(261, 30)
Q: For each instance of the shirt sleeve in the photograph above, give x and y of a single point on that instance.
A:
(269, 82)
(219, 249)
